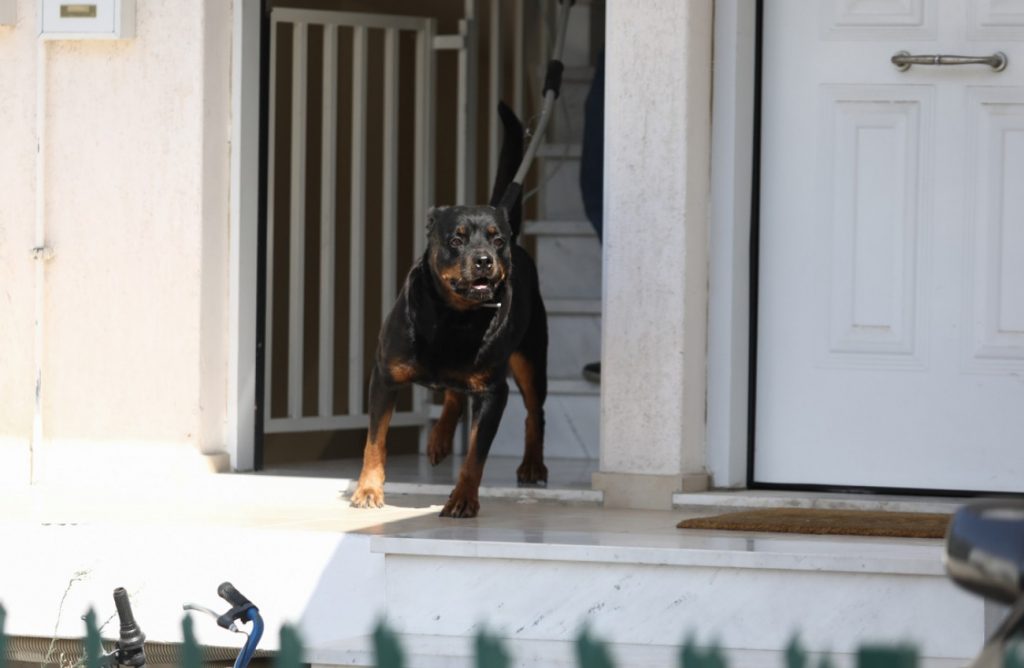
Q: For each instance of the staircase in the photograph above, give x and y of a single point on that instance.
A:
(568, 256)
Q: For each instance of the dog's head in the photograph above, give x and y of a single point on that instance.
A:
(469, 252)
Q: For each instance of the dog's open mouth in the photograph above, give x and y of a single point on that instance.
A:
(479, 289)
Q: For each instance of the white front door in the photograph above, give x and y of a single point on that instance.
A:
(890, 341)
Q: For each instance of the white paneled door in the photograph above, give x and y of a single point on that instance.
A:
(890, 349)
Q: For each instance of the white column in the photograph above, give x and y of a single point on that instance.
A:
(656, 192)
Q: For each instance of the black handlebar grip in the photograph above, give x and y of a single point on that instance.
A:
(124, 607)
(553, 77)
(227, 591)
(131, 644)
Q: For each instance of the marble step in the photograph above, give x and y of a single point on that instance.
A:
(749, 593)
(572, 423)
(559, 228)
(569, 266)
(559, 175)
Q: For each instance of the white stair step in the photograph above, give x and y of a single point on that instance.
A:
(749, 593)
(569, 267)
(560, 196)
(573, 386)
(560, 151)
(573, 306)
(559, 228)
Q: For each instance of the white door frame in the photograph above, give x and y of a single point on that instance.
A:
(732, 144)
(729, 298)
(243, 234)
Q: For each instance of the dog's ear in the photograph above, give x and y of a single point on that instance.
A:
(433, 214)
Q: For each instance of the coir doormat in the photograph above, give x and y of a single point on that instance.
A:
(822, 521)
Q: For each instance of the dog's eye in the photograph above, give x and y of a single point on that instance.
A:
(498, 242)
(455, 242)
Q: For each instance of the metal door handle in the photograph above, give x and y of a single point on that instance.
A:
(903, 60)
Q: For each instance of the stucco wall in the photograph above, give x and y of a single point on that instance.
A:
(135, 184)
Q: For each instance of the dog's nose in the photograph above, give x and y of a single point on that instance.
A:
(484, 261)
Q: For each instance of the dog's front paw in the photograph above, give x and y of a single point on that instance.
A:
(532, 472)
(462, 503)
(368, 496)
(438, 447)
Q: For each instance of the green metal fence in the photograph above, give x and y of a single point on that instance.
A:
(490, 652)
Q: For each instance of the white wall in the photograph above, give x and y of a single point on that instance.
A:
(136, 194)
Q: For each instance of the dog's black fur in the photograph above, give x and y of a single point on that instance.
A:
(469, 313)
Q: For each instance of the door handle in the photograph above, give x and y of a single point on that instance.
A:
(904, 59)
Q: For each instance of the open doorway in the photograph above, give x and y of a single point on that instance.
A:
(377, 111)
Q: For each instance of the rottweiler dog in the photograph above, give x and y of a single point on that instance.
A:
(469, 313)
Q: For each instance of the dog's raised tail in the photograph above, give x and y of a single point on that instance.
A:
(508, 163)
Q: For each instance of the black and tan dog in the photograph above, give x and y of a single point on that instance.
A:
(469, 313)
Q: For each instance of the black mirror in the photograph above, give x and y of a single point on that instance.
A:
(985, 549)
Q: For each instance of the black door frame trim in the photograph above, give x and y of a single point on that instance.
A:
(261, 243)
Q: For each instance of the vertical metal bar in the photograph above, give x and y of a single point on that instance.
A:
(328, 207)
(357, 298)
(268, 335)
(465, 147)
(423, 183)
(494, 91)
(389, 196)
(423, 180)
(297, 264)
(519, 53)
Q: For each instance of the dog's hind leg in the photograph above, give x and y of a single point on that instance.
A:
(370, 490)
(439, 445)
(531, 378)
(487, 409)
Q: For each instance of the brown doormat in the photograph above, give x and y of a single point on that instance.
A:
(822, 521)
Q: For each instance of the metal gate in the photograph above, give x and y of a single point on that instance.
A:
(349, 413)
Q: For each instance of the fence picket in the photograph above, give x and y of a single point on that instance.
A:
(489, 652)
(592, 653)
(796, 657)
(191, 653)
(692, 656)
(93, 643)
(386, 648)
(3, 638)
(289, 655)
(1014, 657)
(899, 656)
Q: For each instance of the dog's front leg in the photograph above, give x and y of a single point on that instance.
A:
(370, 491)
(439, 446)
(487, 409)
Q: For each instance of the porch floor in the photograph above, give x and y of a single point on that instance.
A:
(294, 546)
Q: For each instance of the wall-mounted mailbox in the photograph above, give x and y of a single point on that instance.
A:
(8, 12)
(98, 19)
